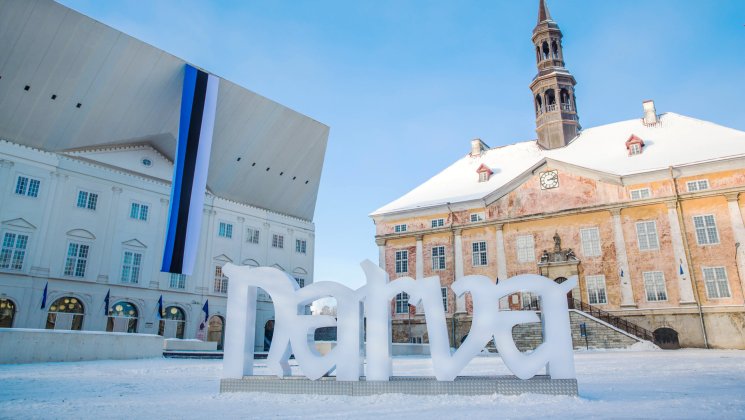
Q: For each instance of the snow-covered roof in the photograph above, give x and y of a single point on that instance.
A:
(674, 141)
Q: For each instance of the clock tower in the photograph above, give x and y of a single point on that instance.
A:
(556, 117)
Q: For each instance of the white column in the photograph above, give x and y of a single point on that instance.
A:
(381, 252)
(685, 289)
(419, 267)
(5, 167)
(460, 301)
(51, 228)
(738, 229)
(50, 195)
(205, 273)
(161, 218)
(501, 257)
(627, 292)
(104, 268)
(242, 238)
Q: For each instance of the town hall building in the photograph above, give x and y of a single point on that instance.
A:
(646, 215)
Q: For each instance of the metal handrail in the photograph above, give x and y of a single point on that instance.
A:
(611, 319)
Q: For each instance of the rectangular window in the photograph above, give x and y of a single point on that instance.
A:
(654, 286)
(444, 292)
(301, 246)
(77, 259)
(221, 282)
(278, 241)
(13, 251)
(479, 253)
(178, 281)
(402, 262)
(438, 223)
(646, 235)
(27, 186)
(402, 303)
(636, 149)
(438, 258)
(717, 285)
(138, 211)
(300, 281)
(640, 194)
(525, 248)
(590, 242)
(698, 185)
(252, 236)
(477, 217)
(131, 264)
(399, 228)
(87, 200)
(706, 230)
(596, 290)
(225, 230)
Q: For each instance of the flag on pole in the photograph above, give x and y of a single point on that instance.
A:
(198, 106)
(681, 269)
(622, 272)
(206, 309)
(160, 306)
(106, 303)
(44, 297)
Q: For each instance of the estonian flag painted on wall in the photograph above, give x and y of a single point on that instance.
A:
(198, 106)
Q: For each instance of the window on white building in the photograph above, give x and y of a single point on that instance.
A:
(13, 251)
(402, 303)
(596, 290)
(221, 281)
(301, 246)
(706, 229)
(402, 262)
(300, 281)
(438, 223)
(438, 258)
(646, 235)
(654, 286)
(252, 236)
(525, 248)
(635, 149)
(399, 228)
(225, 230)
(479, 253)
(476, 217)
(139, 211)
(698, 185)
(640, 194)
(178, 281)
(131, 264)
(590, 242)
(717, 285)
(87, 200)
(278, 241)
(444, 292)
(77, 259)
(27, 186)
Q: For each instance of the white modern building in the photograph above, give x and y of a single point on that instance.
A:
(88, 125)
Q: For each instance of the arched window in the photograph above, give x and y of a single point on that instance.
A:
(66, 313)
(122, 318)
(538, 104)
(546, 51)
(555, 49)
(565, 99)
(538, 53)
(172, 322)
(550, 100)
(7, 313)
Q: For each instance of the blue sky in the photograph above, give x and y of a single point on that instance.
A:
(405, 85)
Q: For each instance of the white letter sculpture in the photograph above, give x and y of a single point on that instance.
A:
(294, 332)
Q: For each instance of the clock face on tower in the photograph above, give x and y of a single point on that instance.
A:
(549, 179)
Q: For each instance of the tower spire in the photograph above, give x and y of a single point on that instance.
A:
(556, 118)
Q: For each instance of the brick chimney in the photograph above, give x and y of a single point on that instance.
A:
(650, 113)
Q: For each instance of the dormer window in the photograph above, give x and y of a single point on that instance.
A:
(634, 145)
(484, 173)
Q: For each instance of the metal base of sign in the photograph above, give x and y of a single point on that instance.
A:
(415, 385)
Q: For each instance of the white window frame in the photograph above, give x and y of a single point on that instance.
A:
(402, 261)
(131, 272)
(597, 293)
(525, 245)
(704, 232)
(400, 228)
(438, 258)
(480, 255)
(640, 194)
(635, 149)
(402, 303)
(591, 244)
(177, 281)
(76, 258)
(717, 287)
(225, 230)
(644, 236)
(654, 281)
(301, 246)
(220, 283)
(476, 217)
(88, 199)
(142, 209)
(253, 235)
(444, 294)
(436, 223)
(278, 241)
(697, 185)
(12, 251)
(26, 191)
(483, 176)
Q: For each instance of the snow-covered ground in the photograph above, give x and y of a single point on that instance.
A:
(621, 384)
